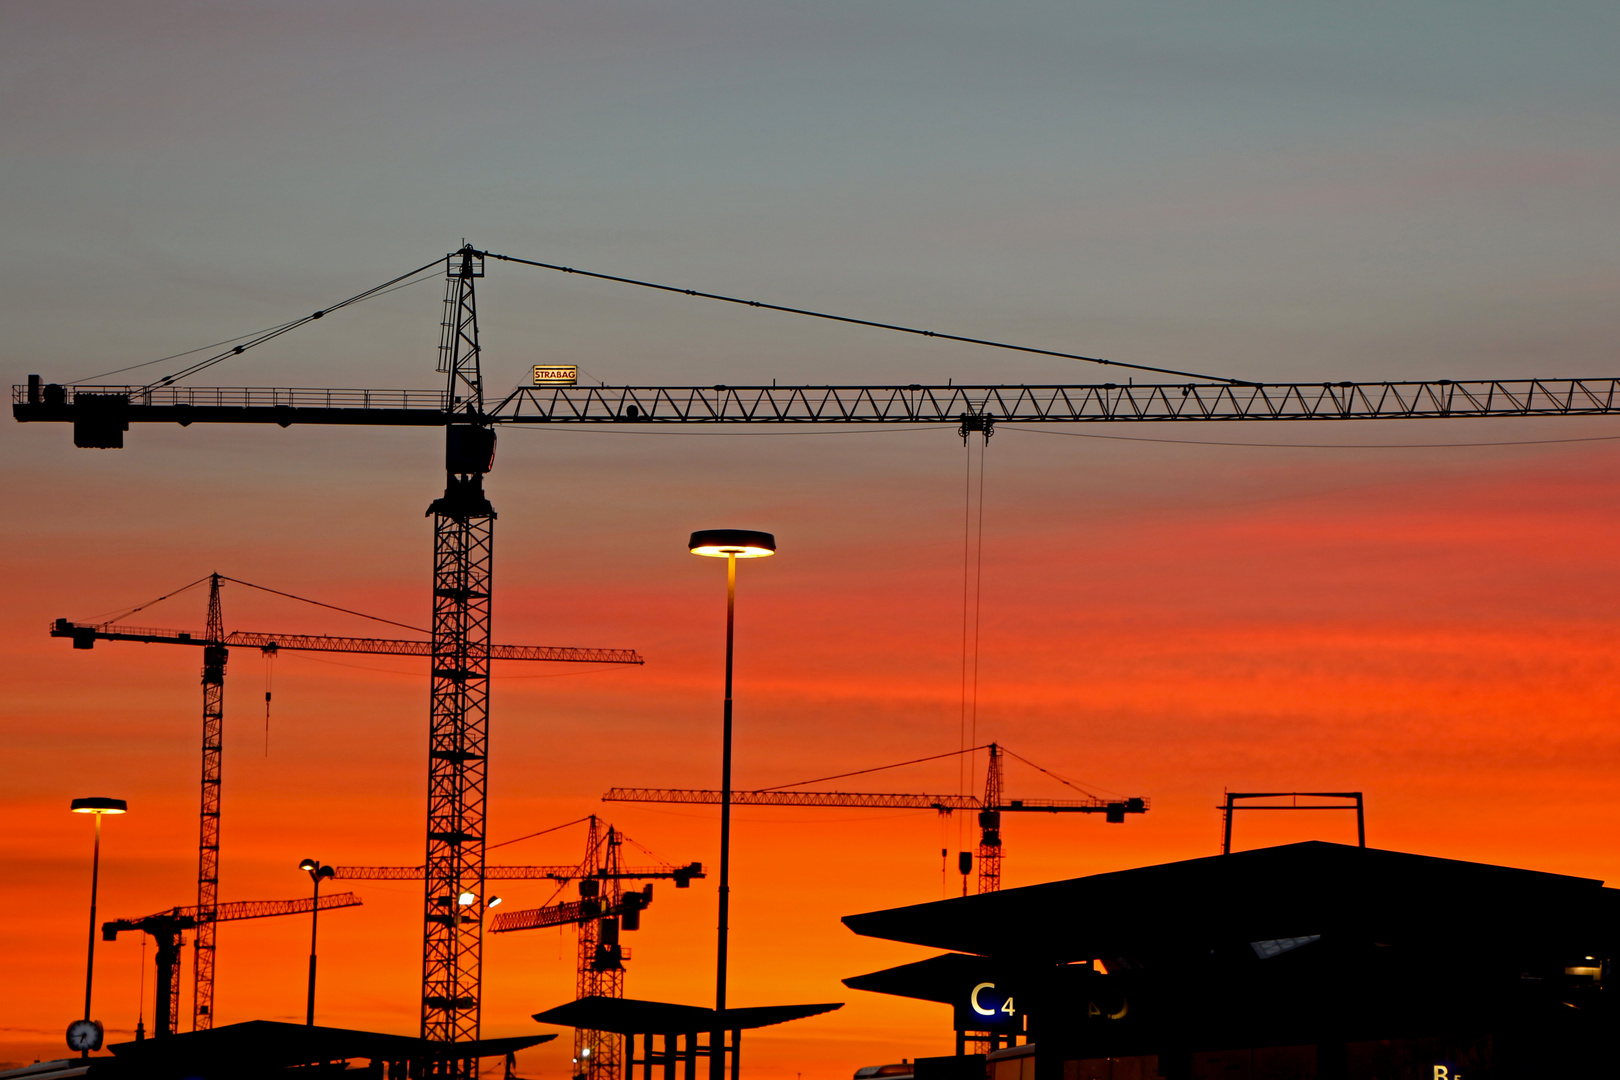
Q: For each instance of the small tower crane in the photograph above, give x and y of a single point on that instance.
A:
(989, 808)
(603, 909)
(167, 928)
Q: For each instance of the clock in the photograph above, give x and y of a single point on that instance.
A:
(84, 1035)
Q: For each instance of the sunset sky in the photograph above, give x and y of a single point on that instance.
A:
(1424, 611)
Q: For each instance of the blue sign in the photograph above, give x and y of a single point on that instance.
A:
(988, 1007)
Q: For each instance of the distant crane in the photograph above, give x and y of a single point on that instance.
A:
(216, 645)
(989, 808)
(602, 910)
(167, 928)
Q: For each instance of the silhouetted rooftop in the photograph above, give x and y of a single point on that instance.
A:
(630, 1016)
(269, 1044)
(1265, 894)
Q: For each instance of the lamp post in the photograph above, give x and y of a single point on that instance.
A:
(85, 1035)
(483, 918)
(317, 872)
(731, 545)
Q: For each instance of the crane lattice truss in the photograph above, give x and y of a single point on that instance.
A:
(216, 644)
(168, 927)
(989, 808)
(101, 414)
(463, 518)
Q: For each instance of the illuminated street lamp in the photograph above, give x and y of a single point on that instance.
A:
(489, 905)
(85, 1035)
(317, 873)
(731, 545)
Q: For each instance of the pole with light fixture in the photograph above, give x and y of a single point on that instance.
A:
(317, 872)
(85, 1035)
(483, 919)
(731, 545)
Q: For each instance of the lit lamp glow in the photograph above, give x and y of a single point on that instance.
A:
(730, 545)
(85, 1035)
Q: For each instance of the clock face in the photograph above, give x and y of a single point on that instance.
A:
(84, 1035)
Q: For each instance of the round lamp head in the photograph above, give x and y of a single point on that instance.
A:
(308, 864)
(100, 806)
(741, 543)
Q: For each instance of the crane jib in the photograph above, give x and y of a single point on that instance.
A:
(85, 635)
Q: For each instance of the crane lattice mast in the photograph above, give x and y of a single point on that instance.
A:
(213, 716)
(990, 850)
(458, 721)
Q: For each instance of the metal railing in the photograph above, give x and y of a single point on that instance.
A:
(244, 397)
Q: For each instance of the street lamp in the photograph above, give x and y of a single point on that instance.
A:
(85, 1035)
(489, 905)
(731, 545)
(317, 872)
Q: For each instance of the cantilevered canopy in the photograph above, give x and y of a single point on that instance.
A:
(260, 1045)
(1292, 891)
(630, 1016)
(939, 978)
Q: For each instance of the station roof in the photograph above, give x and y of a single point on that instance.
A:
(270, 1044)
(631, 1016)
(1270, 893)
(938, 978)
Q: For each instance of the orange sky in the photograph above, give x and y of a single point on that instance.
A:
(1266, 191)
(1430, 626)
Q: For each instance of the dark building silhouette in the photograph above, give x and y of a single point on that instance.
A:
(1298, 962)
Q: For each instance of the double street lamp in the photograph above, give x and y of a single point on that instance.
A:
(318, 872)
(730, 545)
(85, 1035)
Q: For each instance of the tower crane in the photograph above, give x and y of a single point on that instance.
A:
(989, 809)
(463, 518)
(602, 910)
(167, 927)
(216, 645)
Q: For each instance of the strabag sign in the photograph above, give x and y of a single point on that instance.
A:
(555, 374)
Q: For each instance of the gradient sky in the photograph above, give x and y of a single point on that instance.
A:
(1272, 191)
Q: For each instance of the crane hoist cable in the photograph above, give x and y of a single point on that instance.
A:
(876, 768)
(276, 331)
(330, 607)
(240, 344)
(859, 322)
(261, 588)
(269, 678)
(972, 593)
(121, 616)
